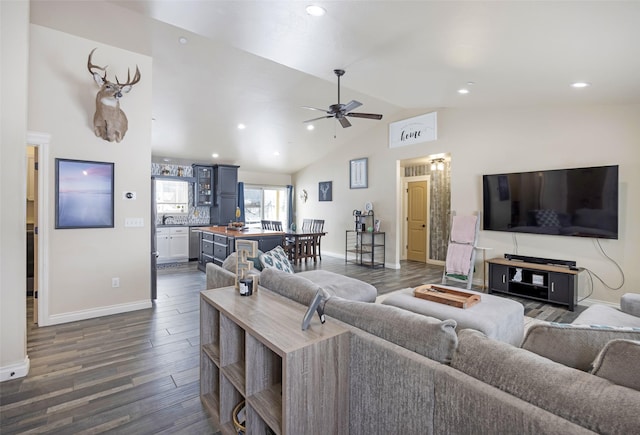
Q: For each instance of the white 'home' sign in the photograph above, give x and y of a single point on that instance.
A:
(415, 130)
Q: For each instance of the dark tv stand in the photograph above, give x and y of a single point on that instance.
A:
(542, 282)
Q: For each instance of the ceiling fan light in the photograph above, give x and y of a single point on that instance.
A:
(315, 11)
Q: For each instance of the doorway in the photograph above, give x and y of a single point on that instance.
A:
(426, 205)
(36, 162)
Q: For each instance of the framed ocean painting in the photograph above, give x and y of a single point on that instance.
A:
(84, 194)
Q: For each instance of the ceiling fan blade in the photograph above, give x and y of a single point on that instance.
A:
(351, 105)
(315, 119)
(315, 108)
(344, 122)
(365, 115)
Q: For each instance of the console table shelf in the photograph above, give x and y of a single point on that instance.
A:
(543, 282)
(253, 349)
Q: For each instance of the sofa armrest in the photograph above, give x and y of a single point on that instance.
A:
(218, 277)
(630, 304)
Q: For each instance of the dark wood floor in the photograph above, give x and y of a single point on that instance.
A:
(138, 373)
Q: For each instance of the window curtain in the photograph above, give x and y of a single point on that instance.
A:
(290, 220)
(241, 200)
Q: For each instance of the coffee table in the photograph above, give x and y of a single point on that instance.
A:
(499, 318)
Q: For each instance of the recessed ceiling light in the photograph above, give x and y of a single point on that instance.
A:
(241, 126)
(580, 85)
(276, 153)
(463, 91)
(315, 11)
(215, 155)
(310, 127)
(471, 83)
(182, 40)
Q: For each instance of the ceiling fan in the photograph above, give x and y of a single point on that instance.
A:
(341, 111)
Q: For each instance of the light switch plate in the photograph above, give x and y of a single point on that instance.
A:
(134, 222)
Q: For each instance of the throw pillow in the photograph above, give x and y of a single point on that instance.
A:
(617, 362)
(277, 258)
(573, 345)
(547, 218)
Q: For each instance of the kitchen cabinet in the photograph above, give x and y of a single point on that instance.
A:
(225, 201)
(172, 244)
(204, 186)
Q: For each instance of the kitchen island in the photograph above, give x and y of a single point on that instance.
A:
(217, 242)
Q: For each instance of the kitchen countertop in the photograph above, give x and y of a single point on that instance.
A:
(249, 232)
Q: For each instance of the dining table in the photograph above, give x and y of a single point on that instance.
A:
(302, 245)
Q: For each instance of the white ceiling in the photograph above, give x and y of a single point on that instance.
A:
(259, 62)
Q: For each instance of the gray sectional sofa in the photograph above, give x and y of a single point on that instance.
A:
(412, 374)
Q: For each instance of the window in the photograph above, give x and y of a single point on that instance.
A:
(172, 197)
(265, 202)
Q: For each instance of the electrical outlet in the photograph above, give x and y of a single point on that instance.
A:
(115, 282)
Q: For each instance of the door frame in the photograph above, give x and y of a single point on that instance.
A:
(405, 214)
(42, 141)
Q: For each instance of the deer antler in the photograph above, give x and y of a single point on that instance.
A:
(136, 78)
(90, 66)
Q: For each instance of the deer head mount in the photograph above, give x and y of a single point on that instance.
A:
(109, 122)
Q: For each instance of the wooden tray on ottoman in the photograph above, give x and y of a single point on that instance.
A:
(447, 296)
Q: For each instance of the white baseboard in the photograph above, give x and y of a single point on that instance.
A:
(588, 302)
(15, 371)
(74, 316)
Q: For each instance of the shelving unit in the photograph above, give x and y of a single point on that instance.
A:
(253, 349)
(365, 248)
(543, 282)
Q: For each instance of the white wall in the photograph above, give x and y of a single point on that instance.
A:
(14, 49)
(483, 141)
(263, 178)
(82, 262)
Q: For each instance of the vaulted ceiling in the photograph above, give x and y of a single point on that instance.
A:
(258, 62)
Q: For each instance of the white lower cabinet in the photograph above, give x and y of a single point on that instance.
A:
(172, 244)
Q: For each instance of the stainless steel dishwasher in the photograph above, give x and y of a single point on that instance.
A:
(194, 242)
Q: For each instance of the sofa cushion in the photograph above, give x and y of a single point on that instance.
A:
(292, 286)
(599, 314)
(278, 259)
(618, 362)
(340, 285)
(573, 345)
(580, 397)
(433, 338)
(630, 304)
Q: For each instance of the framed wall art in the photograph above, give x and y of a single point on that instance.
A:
(325, 191)
(358, 173)
(84, 194)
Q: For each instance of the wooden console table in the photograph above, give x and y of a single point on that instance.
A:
(253, 349)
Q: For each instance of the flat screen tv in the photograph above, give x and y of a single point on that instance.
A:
(581, 202)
